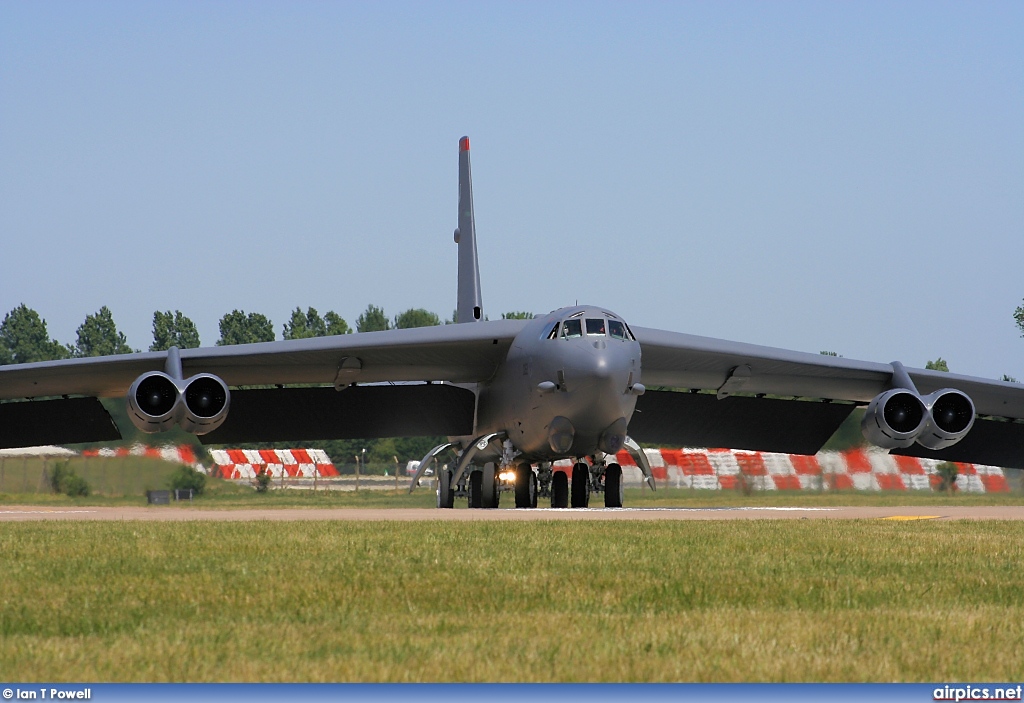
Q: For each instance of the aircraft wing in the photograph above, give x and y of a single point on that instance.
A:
(674, 361)
(466, 353)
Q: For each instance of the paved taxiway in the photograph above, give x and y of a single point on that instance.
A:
(14, 513)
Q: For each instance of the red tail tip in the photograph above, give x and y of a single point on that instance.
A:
(464, 144)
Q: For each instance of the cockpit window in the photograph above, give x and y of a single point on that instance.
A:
(553, 334)
(616, 329)
(629, 333)
(572, 328)
(595, 326)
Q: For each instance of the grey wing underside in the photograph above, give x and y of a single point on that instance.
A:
(802, 415)
(449, 354)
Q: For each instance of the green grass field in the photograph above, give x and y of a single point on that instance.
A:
(538, 601)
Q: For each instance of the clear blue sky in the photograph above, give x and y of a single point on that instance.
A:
(810, 175)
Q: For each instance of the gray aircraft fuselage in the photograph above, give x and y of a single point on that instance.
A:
(568, 386)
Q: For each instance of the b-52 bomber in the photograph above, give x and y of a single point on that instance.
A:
(513, 396)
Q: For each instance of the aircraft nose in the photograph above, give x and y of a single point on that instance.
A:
(599, 369)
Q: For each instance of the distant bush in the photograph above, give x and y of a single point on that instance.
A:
(947, 472)
(65, 480)
(262, 481)
(185, 477)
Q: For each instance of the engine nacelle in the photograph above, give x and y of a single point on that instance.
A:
(894, 419)
(206, 401)
(950, 417)
(157, 402)
(154, 402)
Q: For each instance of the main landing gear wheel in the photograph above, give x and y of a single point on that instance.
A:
(613, 486)
(526, 487)
(445, 494)
(580, 485)
(491, 488)
(559, 490)
(476, 489)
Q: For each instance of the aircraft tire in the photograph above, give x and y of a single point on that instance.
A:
(613, 486)
(559, 490)
(476, 485)
(445, 494)
(491, 488)
(580, 485)
(526, 487)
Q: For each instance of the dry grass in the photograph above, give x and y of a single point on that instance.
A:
(546, 601)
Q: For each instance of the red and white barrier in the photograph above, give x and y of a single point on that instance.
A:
(705, 469)
(858, 469)
(181, 454)
(246, 463)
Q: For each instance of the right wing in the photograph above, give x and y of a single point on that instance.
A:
(467, 354)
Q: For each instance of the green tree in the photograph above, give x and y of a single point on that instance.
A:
(24, 339)
(373, 320)
(98, 336)
(1018, 317)
(416, 317)
(303, 325)
(336, 324)
(937, 365)
(173, 330)
(310, 324)
(239, 328)
(1009, 379)
(517, 315)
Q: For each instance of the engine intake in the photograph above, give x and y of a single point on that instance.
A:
(153, 402)
(206, 404)
(950, 418)
(157, 402)
(894, 419)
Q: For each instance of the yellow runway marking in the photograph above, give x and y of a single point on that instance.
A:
(911, 517)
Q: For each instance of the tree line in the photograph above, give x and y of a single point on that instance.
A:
(24, 337)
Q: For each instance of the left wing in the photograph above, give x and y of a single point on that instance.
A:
(672, 360)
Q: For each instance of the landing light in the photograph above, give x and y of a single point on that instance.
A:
(508, 476)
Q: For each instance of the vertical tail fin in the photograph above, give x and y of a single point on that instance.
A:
(470, 305)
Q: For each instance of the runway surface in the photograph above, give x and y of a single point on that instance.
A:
(14, 513)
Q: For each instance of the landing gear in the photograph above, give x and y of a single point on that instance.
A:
(484, 488)
(476, 490)
(526, 487)
(613, 486)
(491, 486)
(559, 490)
(445, 492)
(580, 485)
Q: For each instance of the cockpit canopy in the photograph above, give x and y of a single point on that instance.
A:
(590, 323)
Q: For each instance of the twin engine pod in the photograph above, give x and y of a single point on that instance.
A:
(157, 402)
(899, 417)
